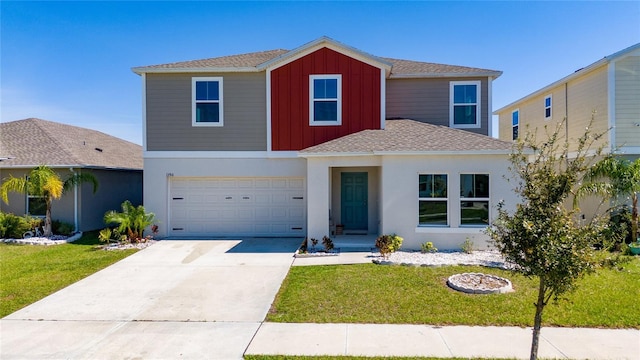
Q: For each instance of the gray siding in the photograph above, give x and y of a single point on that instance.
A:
(168, 111)
(627, 106)
(427, 100)
(114, 187)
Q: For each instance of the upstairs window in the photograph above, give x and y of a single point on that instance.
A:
(474, 199)
(547, 107)
(464, 104)
(325, 100)
(515, 123)
(207, 105)
(432, 200)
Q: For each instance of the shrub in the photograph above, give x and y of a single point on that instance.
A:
(13, 226)
(467, 246)
(327, 242)
(428, 247)
(131, 221)
(303, 247)
(62, 228)
(387, 244)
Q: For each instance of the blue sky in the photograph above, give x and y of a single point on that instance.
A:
(71, 62)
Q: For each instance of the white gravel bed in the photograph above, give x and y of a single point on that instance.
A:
(53, 240)
(483, 258)
(125, 246)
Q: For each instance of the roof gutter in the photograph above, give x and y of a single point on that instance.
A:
(404, 153)
(69, 166)
(160, 70)
(494, 74)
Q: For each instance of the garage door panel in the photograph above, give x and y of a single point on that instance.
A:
(237, 206)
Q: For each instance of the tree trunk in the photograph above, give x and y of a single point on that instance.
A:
(537, 323)
(47, 218)
(634, 218)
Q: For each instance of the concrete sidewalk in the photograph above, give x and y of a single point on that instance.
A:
(446, 341)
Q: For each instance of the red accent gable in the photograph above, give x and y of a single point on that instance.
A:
(361, 98)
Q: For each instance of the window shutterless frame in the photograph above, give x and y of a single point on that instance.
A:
(515, 123)
(548, 107)
(325, 100)
(464, 104)
(433, 200)
(207, 105)
(474, 200)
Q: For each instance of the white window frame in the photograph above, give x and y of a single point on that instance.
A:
(464, 198)
(516, 111)
(312, 100)
(452, 105)
(550, 107)
(445, 199)
(220, 101)
(26, 205)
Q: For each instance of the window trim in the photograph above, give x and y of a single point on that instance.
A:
(445, 199)
(312, 121)
(516, 111)
(550, 107)
(220, 101)
(487, 199)
(478, 105)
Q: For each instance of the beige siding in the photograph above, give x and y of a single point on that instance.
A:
(627, 107)
(576, 101)
(427, 100)
(168, 111)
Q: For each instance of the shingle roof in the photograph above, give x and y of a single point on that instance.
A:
(410, 136)
(252, 61)
(33, 142)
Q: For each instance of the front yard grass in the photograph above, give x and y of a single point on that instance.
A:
(28, 273)
(369, 293)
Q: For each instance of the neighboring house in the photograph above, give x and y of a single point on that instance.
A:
(295, 143)
(117, 165)
(608, 90)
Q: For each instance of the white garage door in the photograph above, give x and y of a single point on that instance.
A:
(237, 206)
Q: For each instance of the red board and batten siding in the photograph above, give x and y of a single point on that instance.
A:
(290, 129)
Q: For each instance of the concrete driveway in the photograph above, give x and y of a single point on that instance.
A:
(175, 299)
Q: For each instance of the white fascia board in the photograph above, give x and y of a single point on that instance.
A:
(320, 43)
(147, 70)
(548, 88)
(219, 154)
(77, 166)
(493, 74)
(406, 153)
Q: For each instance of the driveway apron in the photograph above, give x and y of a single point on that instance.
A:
(175, 299)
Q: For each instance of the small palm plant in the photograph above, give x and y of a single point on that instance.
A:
(131, 221)
(45, 182)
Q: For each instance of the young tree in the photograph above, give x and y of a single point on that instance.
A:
(45, 182)
(543, 237)
(616, 177)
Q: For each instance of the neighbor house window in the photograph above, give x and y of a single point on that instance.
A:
(432, 199)
(515, 123)
(547, 107)
(474, 199)
(464, 104)
(207, 105)
(325, 100)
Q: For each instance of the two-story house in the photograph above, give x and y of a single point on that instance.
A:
(607, 90)
(302, 143)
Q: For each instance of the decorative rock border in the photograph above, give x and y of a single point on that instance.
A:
(478, 283)
(334, 252)
(54, 240)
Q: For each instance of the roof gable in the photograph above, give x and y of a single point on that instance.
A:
(272, 59)
(409, 137)
(32, 142)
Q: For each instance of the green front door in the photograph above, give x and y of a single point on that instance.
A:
(354, 197)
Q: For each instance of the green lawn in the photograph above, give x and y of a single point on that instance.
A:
(28, 273)
(369, 293)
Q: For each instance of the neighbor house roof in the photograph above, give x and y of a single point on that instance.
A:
(578, 73)
(410, 137)
(33, 142)
(259, 61)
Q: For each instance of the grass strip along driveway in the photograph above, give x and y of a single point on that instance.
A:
(368, 293)
(28, 273)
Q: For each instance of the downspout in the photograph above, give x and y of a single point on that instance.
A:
(75, 202)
